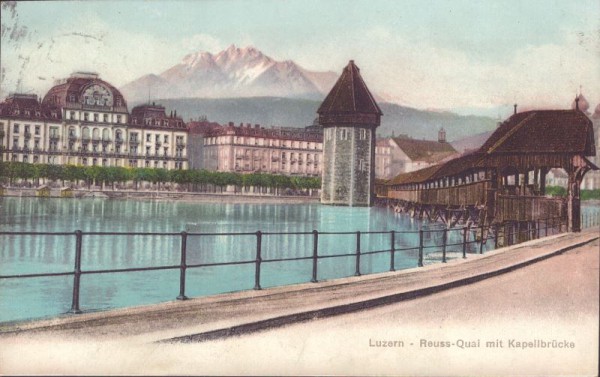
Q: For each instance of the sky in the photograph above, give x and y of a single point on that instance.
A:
(466, 56)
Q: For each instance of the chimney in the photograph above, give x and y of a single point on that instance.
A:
(175, 114)
(257, 126)
(248, 125)
(576, 102)
(230, 124)
(515, 106)
(171, 116)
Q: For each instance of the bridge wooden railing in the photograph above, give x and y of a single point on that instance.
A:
(529, 208)
(467, 194)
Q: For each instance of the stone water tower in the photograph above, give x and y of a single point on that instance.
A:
(349, 116)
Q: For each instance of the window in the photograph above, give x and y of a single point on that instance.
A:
(166, 150)
(25, 158)
(166, 139)
(157, 138)
(147, 164)
(35, 159)
(16, 128)
(118, 119)
(105, 118)
(16, 143)
(95, 117)
(104, 162)
(164, 164)
(37, 130)
(72, 115)
(86, 116)
(94, 162)
(71, 98)
(147, 151)
(148, 137)
(363, 134)
(134, 136)
(343, 134)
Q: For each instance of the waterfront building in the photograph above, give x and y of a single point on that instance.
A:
(398, 155)
(84, 120)
(29, 130)
(156, 139)
(251, 148)
(349, 116)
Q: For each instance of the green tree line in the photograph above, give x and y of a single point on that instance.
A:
(193, 180)
(561, 191)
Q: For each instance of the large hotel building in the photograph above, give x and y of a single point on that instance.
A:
(84, 120)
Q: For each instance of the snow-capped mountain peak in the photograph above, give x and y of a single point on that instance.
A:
(233, 72)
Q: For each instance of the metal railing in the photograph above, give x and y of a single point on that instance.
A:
(501, 235)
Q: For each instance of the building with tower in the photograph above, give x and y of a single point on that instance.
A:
(349, 116)
(84, 120)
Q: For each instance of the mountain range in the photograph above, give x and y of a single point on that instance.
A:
(293, 112)
(233, 72)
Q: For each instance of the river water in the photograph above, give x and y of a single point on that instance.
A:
(50, 296)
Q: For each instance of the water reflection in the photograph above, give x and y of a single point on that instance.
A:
(35, 297)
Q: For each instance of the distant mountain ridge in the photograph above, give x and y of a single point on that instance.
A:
(290, 112)
(233, 72)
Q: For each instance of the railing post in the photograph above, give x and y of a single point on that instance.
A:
(420, 262)
(392, 250)
(315, 255)
(258, 260)
(481, 243)
(538, 228)
(496, 236)
(76, 273)
(183, 266)
(546, 227)
(444, 236)
(464, 246)
(357, 273)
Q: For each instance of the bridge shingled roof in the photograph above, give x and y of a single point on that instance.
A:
(349, 95)
(532, 132)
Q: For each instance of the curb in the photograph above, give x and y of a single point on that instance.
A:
(289, 319)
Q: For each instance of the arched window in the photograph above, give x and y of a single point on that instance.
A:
(105, 134)
(85, 133)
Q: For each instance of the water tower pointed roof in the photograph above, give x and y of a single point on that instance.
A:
(349, 96)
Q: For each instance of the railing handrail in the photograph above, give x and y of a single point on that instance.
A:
(482, 234)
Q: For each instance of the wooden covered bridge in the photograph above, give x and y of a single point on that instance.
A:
(503, 182)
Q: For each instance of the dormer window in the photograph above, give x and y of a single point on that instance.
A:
(27, 112)
(118, 102)
(71, 98)
(38, 114)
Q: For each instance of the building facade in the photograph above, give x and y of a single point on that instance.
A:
(349, 116)
(251, 148)
(83, 120)
(403, 154)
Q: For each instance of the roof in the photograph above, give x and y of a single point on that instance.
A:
(424, 150)
(543, 131)
(154, 116)
(70, 93)
(567, 132)
(349, 95)
(27, 106)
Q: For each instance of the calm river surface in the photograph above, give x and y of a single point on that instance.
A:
(50, 296)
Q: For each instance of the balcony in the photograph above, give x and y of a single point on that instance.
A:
(73, 137)
(134, 142)
(119, 140)
(85, 139)
(106, 140)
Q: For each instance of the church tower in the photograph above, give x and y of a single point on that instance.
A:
(349, 116)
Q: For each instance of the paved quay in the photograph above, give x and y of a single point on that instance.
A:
(219, 316)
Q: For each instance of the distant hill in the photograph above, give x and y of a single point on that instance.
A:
(471, 142)
(289, 112)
